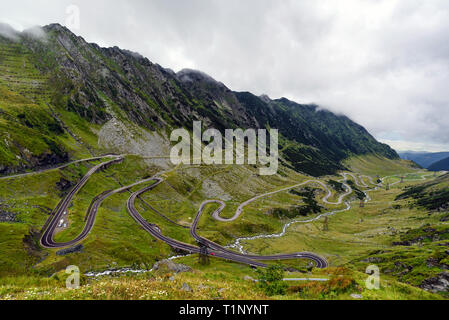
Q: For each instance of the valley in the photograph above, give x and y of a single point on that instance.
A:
(354, 232)
(86, 180)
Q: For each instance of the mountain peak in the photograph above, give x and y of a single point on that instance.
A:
(190, 75)
(265, 98)
(56, 27)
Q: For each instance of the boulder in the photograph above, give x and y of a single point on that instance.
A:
(170, 266)
(248, 278)
(440, 283)
(186, 287)
(67, 251)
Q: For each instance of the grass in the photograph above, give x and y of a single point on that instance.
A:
(215, 281)
(373, 165)
(28, 130)
(117, 241)
(34, 118)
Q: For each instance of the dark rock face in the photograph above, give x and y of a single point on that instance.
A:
(67, 251)
(32, 247)
(373, 260)
(7, 216)
(43, 161)
(435, 263)
(437, 284)
(64, 185)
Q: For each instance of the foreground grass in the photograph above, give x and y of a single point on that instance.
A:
(214, 282)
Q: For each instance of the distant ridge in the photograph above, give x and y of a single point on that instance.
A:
(424, 159)
(442, 165)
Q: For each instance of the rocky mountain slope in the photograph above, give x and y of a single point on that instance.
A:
(63, 98)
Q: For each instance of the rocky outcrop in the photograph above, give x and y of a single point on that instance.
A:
(64, 252)
(7, 216)
(64, 185)
(170, 266)
(440, 283)
(29, 161)
(186, 287)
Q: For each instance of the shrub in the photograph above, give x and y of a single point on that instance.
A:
(271, 280)
(341, 281)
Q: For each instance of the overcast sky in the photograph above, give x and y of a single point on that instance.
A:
(384, 63)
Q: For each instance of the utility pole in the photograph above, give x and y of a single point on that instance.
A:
(326, 224)
(387, 187)
(203, 257)
(402, 179)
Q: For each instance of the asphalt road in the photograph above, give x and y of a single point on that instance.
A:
(57, 167)
(239, 211)
(212, 249)
(47, 237)
(319, 261)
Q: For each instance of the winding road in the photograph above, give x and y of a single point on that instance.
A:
(204, 245)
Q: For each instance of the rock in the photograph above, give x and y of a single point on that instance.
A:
(64, 184)
(170, 266)
(439, 283)
(373, 260)
(186, 287)
(67, 251)
(171, 278)
(432, 262)
(248, 278)
(203, 287)
(7, 216)
(356, 296)
(213, 190)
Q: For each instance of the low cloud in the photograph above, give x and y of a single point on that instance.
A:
(36, 32)
(8, 32)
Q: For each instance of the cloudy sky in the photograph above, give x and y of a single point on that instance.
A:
(384, 63)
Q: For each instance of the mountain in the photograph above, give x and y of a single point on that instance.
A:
(442, 165)
(62, 98)
(424, 159)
